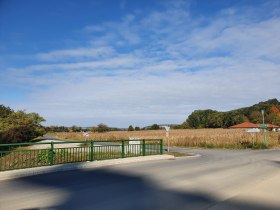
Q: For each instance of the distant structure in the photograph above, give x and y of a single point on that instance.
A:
(245, 125)
(272, 126)
(253, 125)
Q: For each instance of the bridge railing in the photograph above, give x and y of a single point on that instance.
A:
(28, 155)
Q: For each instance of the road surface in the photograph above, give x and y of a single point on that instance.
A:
(218, 179)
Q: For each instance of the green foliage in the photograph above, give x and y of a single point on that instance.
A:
(16, 127)
(200, 118)
(255, 116)
(185, 125)
(44, 156)
(214, 119)
(102, 128)
(57, 129)
(130, 128)
(154, 127)
(5, 111)
(75, 128)
(137, 128)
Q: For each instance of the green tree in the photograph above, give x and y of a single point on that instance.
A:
(19, 126)
(213, 119)
(185, 125)
(102, 128)
(200, 118)
(272, 118)
(155, 127)
(130, 128)
(137, 128)
(5, 111)
(216, 120)
(255, 117)
(75, 128)
(56, 129)
(239, 118)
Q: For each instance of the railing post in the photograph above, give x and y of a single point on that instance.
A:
(123, 149)
(264, 136)
(161, 147)
(144, 147)
(91, 151)
(51, 155)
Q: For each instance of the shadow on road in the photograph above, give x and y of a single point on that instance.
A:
(112, 190)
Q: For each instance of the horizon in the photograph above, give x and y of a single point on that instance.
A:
(136, 63)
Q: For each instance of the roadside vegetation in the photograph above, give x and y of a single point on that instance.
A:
(202, 138)
(19, 126)
(203, 128)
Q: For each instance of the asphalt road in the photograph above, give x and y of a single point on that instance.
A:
(218, 179)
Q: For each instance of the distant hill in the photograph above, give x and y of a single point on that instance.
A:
(215, 119)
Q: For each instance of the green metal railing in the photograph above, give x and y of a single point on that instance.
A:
(28, 155)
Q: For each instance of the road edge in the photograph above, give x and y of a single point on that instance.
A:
(14, 174)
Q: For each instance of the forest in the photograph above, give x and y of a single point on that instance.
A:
(215, 119)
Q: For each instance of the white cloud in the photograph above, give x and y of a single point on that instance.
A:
(154, 97)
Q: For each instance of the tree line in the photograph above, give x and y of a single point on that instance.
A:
(214, 119)
(100, 128)
(19, 126)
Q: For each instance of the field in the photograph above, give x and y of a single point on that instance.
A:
(205, 138)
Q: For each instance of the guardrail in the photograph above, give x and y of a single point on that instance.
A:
(28, 155)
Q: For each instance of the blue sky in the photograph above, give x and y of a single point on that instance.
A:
(137, 62)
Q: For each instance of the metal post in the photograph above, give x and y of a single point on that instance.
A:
(264, 129)
(264, 136)
(91, 151)
(168, 141)
(123, 149)
(262, 115)
(144, 147)
(52, 154)
(161, 147)
(168, 144)
(167, 128)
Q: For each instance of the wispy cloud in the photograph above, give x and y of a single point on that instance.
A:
(78, 53)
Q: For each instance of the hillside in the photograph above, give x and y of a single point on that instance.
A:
(215, 119)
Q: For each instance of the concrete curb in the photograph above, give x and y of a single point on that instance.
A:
(192, 155)
(6, 175)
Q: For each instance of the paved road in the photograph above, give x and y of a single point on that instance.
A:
(218, 179)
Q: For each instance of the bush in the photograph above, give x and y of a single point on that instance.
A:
(130, 128)
(17, 127)
(102, 128)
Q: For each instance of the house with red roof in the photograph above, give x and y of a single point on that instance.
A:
(245, 125)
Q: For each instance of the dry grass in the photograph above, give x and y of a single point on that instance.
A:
(209, 138)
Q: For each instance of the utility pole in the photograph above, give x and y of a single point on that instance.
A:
(167, 128)
(264, 128)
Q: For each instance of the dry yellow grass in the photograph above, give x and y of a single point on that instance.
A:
(218, 138)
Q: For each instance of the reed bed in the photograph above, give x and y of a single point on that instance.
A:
(206, 138)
